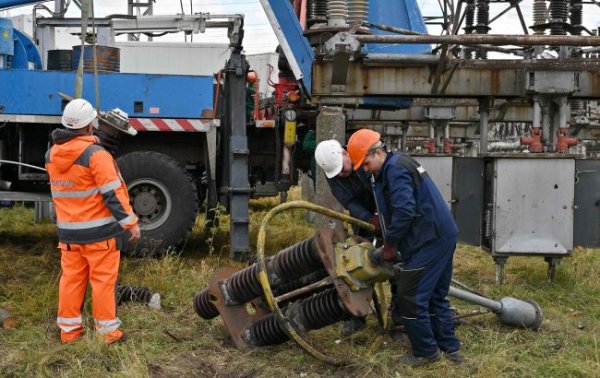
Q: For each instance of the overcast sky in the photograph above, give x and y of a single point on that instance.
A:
(259, 36)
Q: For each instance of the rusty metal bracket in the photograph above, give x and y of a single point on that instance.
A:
(235, 317)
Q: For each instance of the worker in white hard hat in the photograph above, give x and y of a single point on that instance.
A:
(92, 214)
(352, 190)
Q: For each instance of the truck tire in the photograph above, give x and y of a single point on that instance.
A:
(164, 198)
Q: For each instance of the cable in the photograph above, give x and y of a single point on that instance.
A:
(22, 164)
(94, 54)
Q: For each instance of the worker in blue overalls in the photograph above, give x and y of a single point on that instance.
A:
(419, 227)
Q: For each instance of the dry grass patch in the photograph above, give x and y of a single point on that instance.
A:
(175, 342)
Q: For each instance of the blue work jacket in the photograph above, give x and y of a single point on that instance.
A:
(354, 193)
(414, 212)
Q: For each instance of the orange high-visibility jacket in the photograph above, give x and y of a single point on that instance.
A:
(91, 199)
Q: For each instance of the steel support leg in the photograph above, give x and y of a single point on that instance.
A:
(500, 264)
(235, 178)
(553, 262)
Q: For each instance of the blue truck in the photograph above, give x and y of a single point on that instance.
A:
(197, 144)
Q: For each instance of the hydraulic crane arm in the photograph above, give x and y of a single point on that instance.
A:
(289, 33)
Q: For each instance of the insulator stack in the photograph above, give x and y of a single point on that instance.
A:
(324, 309)
(316, 312)
(286, 287)
(469, 16)
(316, 12)
(337, 12)
(298, 260)
(576, 17)
(266, 331)
(244, 285)
(469, 24)
(203, 307)
(483, 20)
(133, 294)
(289, 264)
(358, 11)
(540, 15)
(559, 10)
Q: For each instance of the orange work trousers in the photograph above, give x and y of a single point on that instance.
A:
(98, 264)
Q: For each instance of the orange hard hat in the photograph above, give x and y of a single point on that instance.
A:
(252, 77)
(359, 145)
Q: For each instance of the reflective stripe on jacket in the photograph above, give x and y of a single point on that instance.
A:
(90, 197)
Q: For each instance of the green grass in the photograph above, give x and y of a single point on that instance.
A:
(174, 341)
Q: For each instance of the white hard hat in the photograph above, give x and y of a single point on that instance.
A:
(78, 114)
(329, 155)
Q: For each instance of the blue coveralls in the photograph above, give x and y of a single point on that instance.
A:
(421, 226)
(354, 193)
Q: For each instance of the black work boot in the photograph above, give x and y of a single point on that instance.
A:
(410, 359)
(455, 357)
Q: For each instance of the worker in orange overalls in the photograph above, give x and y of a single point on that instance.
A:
(92, 214)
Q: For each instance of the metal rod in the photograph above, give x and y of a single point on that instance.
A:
(294, 293)
(501, 14)
(522, 19)
(392, 29)
(401, 58)
(477, 39)
(493, 305)
(22, 164)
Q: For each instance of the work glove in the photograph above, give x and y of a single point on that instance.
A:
(389, 253)
(375, 222)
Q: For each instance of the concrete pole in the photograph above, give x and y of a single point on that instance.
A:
(331, 124)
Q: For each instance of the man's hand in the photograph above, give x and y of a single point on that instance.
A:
(375, 222)
(135, 233)
(389, 253)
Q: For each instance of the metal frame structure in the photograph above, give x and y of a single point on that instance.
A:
(465, 104)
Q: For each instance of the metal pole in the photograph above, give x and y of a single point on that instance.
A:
(379, 214)
(510, 311)
(308, 288)
(392, 29)
(238, 187)
(493, 305)
(477, 39)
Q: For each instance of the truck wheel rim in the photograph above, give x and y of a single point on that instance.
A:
(151, 202)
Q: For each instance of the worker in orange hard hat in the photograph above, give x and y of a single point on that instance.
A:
(420, 237)
(92, 214)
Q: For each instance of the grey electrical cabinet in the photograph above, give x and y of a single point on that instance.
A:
(529, 207)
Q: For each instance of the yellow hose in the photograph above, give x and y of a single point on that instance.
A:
(264, 280)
